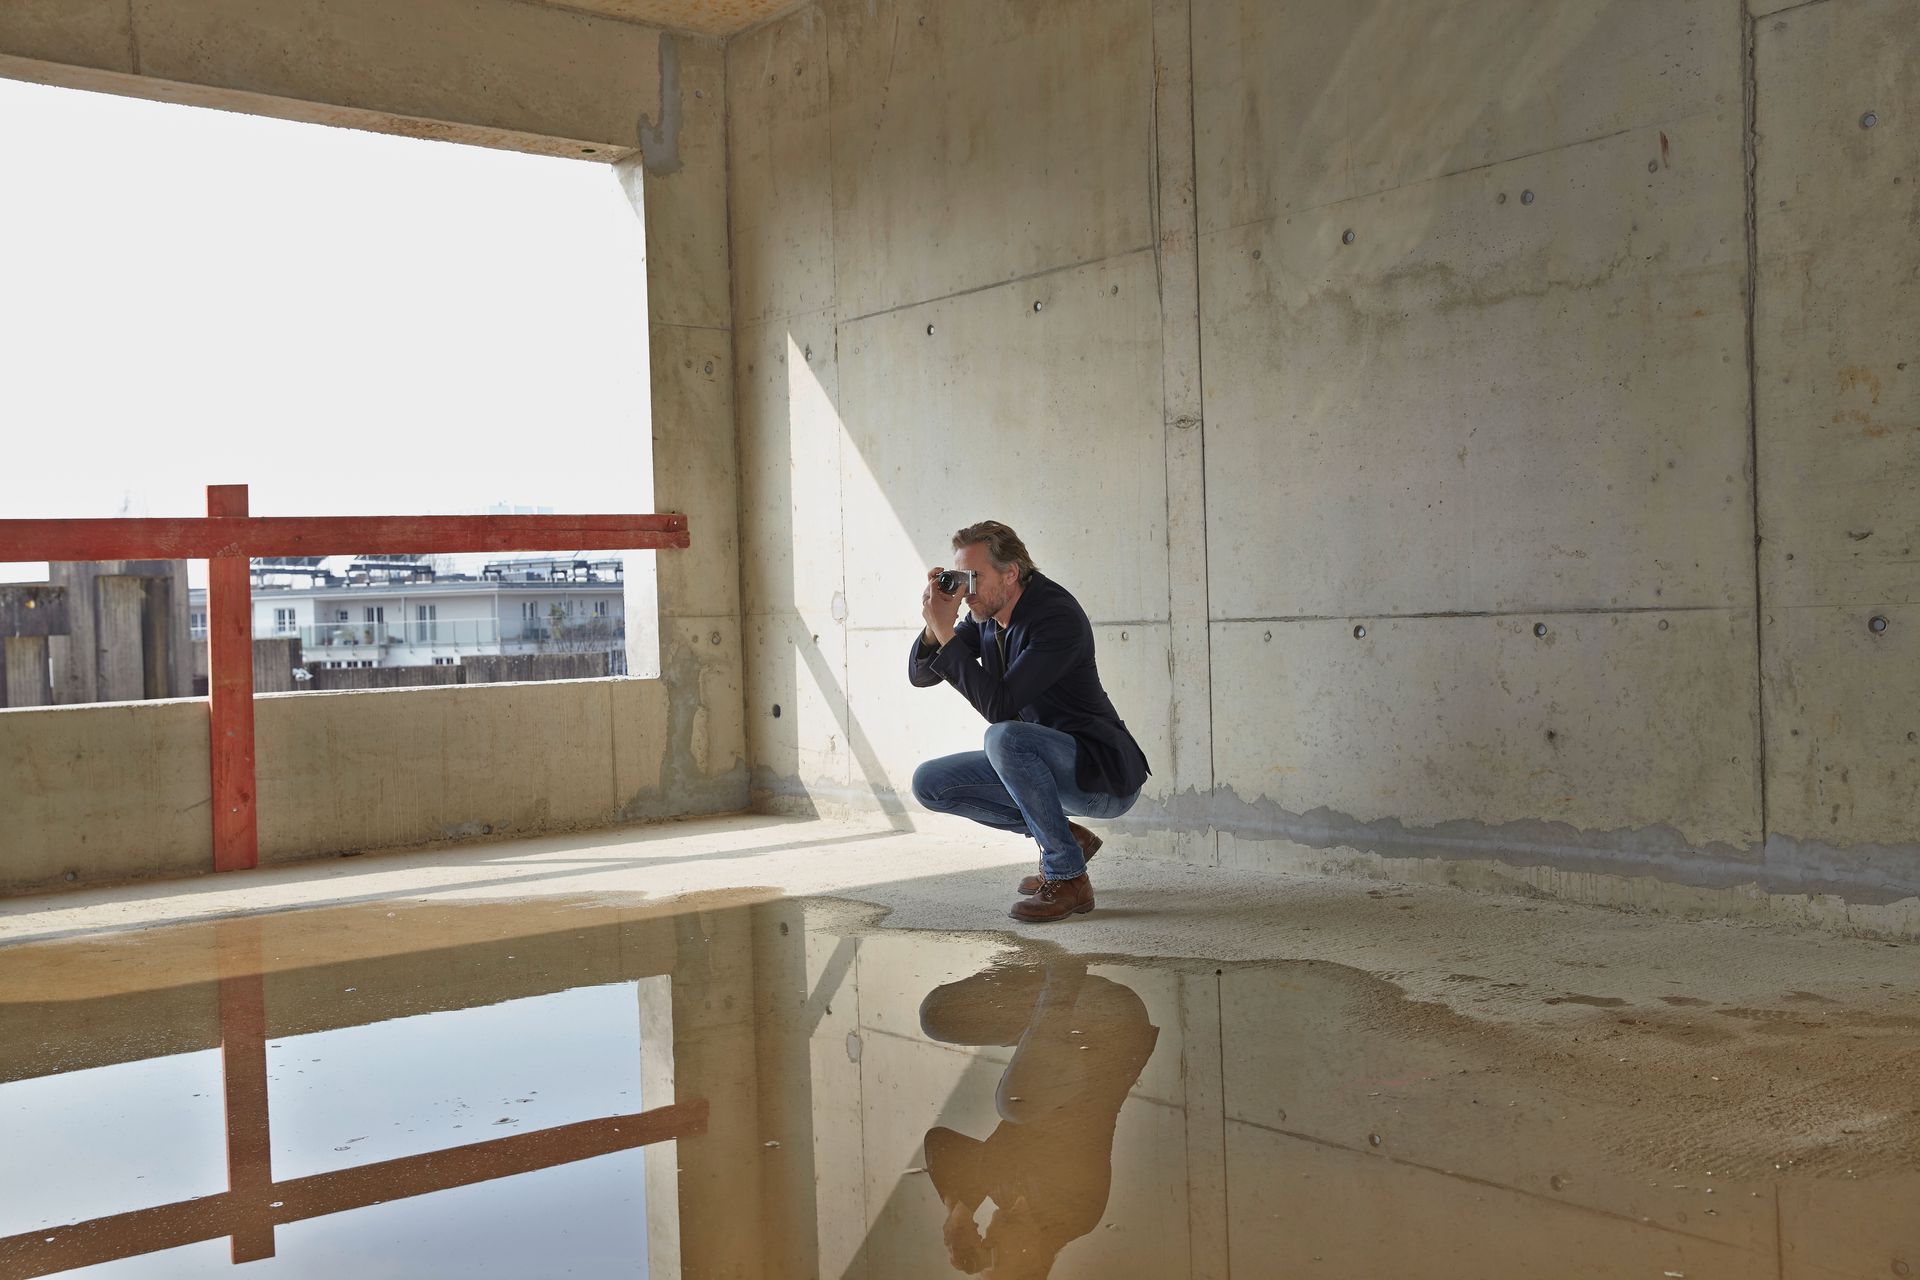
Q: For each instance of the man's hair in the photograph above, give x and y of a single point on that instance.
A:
(1004, 547)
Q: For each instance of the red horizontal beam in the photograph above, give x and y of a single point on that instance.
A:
(208, 537)
(168, 1226)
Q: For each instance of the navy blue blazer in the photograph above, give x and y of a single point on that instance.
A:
(1048, 677)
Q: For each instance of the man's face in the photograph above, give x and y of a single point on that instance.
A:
(993, 585)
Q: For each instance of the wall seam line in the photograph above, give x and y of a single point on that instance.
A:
(1750, 167)
(1804, 4)
(1041, 274)
(1200, 446)
(733, 421)
(1546, 612)
(850, 758)
(1324, 205)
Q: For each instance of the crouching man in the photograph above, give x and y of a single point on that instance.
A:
(1023, 656)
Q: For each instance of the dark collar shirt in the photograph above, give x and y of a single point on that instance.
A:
(1040, 669)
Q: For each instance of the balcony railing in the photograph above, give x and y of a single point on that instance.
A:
(566, 631)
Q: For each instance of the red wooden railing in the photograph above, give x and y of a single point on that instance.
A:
(228, 538)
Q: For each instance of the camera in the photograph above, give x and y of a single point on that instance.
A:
(954, 582)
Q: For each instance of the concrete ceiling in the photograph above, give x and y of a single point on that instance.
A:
(708, 17)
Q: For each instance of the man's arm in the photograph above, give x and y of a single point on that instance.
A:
(920, 669)
(1049, 652)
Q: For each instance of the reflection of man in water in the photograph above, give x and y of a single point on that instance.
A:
(1081, 1041)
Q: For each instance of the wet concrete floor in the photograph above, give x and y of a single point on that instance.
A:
(743, 1086)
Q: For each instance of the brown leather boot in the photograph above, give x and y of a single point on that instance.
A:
(1089, 845)
(1055, 900)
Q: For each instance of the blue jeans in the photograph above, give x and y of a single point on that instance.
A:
(1023, 781)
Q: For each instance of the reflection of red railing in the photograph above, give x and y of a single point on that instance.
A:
(254, 1204)
(228, 536)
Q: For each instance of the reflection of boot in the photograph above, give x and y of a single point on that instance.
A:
(1089, 845)
(1055, 900)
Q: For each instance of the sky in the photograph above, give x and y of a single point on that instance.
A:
(349, 323)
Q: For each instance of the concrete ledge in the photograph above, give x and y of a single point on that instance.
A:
(119, 791)
(494, 73)
(111, 791)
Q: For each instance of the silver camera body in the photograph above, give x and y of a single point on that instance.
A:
(955, 582)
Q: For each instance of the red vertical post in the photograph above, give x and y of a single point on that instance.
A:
(236, 826)
(243, 1061)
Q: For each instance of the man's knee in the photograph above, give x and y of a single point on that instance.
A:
(1002, 738)
(925, 778)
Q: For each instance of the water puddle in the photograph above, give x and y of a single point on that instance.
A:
(775, 1088)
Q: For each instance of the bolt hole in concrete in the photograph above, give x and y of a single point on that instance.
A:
(1360, 632)
(1036, 305)
(1664, 624)
(776, 711)
(1869, 120)
(1346, 237)
(1539, 628)
(1876, 624)
(482, 1088)
(929, 331)
(1501, 198)
(1526, 197)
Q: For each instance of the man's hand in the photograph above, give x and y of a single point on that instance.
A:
(939, 610)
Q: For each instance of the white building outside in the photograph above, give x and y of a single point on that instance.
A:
(536, 605)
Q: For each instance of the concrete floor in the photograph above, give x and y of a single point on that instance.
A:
(1638, 1060)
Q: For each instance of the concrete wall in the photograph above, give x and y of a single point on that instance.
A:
(273, 664)
(1506, 330)
(126, 635)
(1269, 322)
(341, 679)
(120, 790)
(491, 72)
(487, 668)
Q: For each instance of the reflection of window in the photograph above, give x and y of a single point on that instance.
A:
(340, 615)
(197, 623)
(376, 613)
(599, 608)
(443, 662)
(283, 622)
